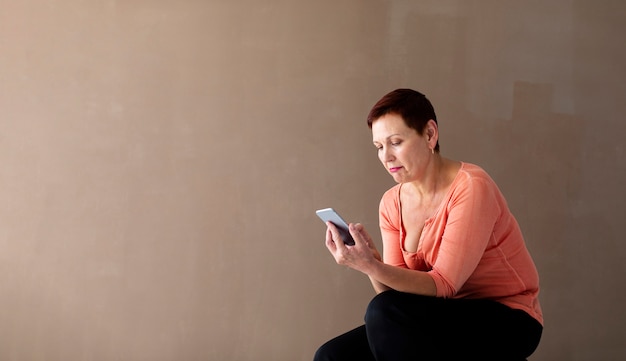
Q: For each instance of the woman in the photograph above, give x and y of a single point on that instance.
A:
(456, 280)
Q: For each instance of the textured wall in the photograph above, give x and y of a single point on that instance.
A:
(161, 161)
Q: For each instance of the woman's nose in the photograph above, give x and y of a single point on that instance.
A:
(386, 155)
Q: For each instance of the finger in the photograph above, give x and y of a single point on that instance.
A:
(330, 244)
(336, 237)
(366, 236)
(355, 231)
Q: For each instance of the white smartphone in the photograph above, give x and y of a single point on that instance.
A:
(329, 214)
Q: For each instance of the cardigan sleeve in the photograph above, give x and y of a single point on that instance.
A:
(473, 210)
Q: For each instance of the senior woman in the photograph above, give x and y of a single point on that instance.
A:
(456, 280)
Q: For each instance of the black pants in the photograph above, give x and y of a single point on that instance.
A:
(401, 326)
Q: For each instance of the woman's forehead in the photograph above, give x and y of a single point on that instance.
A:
(389, 125)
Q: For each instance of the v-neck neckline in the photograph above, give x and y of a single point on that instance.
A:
(428, 220)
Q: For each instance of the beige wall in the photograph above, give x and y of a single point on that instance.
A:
(161, 161)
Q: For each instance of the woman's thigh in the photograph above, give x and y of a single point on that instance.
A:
(403, 323)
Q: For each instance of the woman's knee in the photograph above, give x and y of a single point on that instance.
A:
(382, 307)
(348, 346)
(323, 353)
(396, 307)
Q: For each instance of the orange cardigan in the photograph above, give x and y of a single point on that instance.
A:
(472, 247)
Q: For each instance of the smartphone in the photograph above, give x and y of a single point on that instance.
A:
(329, 214)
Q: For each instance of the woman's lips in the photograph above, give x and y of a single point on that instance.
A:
(394, 169)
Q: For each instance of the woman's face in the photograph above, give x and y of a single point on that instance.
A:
(401, 150)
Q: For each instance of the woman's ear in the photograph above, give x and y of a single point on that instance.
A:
(431, 131)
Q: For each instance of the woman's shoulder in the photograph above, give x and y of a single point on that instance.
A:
(473, 171)
(389, 207)
(474, 179)
(392, 195)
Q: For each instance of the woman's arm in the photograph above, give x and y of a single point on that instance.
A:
(364, 257)
(378, 286)
(385, 277)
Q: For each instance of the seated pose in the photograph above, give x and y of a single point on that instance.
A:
(455, 281)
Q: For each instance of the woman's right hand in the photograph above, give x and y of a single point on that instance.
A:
(360, 256)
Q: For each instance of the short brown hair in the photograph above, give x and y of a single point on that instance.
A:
(413, 106)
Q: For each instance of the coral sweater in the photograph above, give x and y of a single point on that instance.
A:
(472, 247)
